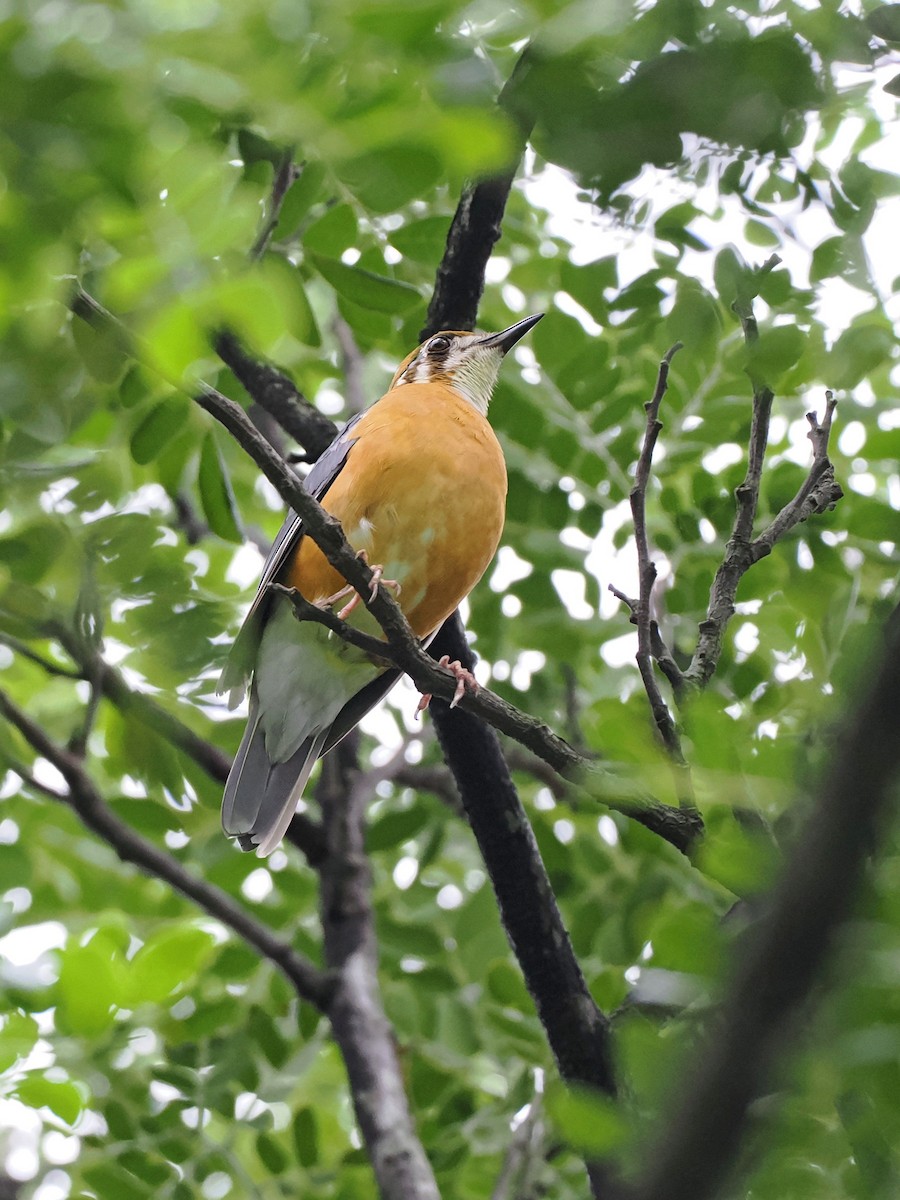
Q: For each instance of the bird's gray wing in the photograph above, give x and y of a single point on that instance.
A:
(242, 657)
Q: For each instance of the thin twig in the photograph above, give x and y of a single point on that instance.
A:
(641, 609)
(818, 492)
(286, 174)
(310, 983)
(47, 664)
(78, 742)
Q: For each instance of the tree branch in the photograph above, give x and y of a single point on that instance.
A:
(273, 391)
(143, 708)
(649, 638)
(286, 175)
(47, 664)
(477, 223)
(785, 953)
(578, 1032)
(681, 827)
(310, 983)
(359, 1025)
(820, 491)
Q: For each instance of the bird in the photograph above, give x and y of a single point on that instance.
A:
(418, 483)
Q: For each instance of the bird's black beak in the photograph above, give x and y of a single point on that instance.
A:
(507, 338)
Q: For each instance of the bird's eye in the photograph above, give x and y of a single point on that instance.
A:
(438, 345)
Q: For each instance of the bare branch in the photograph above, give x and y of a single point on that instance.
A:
(649, 639)
(310, 983)
(47, 664)
(286, 174)
(477, 224)
(273, 391)
(820, 491)
(359, 1025)
(651, 645)
(783, 957)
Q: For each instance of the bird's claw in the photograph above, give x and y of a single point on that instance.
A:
(349, 590)
(464, 679)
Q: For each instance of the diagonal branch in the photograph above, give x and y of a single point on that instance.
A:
(22, 650)
(310, 983)
(111, 683)
(274, 392)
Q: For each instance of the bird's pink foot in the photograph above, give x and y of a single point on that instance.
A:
(349, 590)
(464, 679)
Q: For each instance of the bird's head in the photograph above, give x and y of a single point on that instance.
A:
(467, 362)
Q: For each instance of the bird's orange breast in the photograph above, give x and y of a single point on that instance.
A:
(423, 492)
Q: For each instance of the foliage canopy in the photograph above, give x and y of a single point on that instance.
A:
(689, 142)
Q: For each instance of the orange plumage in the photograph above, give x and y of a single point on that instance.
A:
(423, 492)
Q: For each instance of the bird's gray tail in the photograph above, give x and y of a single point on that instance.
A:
(261, 796)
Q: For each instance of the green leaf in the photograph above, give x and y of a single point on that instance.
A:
(858, 351)
(366, 289)
(166, 962)
(884, 21)
(587, 283)
(63, 1099)
(776, 352)
(272, 1154)
(17, 1038)
(396, 827)
(89, 987)
(587, 1120)
(388, 178)
(306, 1138)
(157, 428)
(423, 240)
(101, 351)
(506, 986)
(333, 233)
(216, 493)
